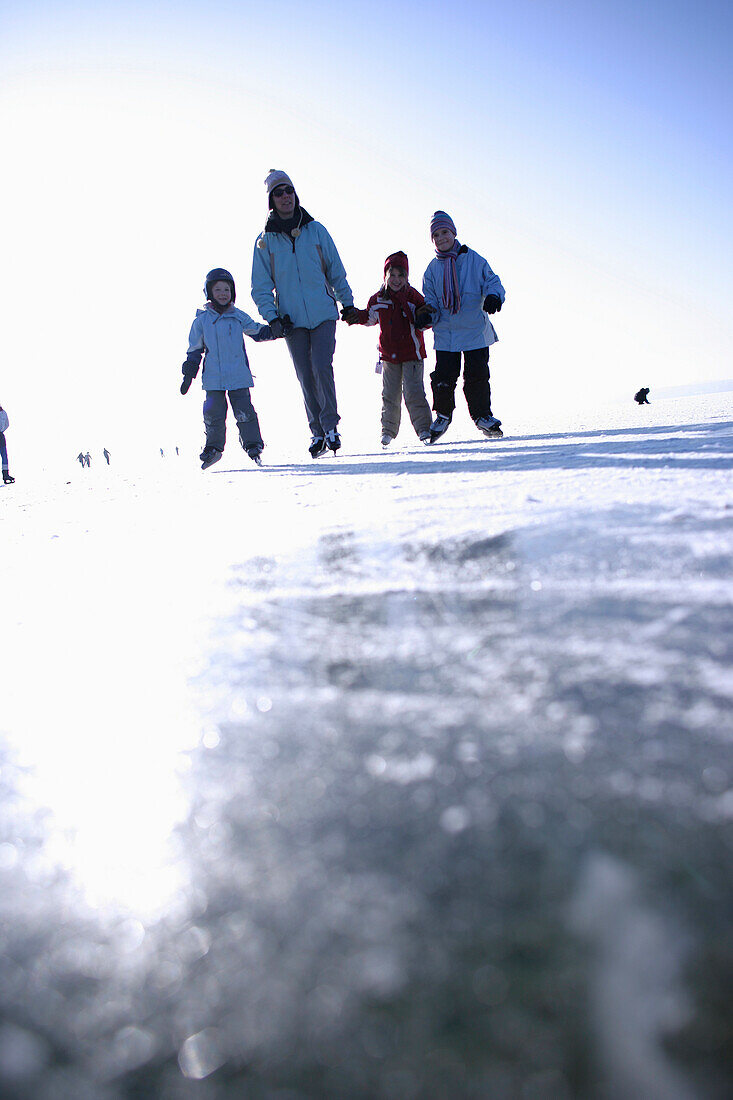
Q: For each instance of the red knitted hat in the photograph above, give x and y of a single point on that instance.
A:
(397, 259)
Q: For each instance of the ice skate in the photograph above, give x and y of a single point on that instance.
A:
(333, 440)
(425, 437)
(318, 446)
(490, 426)
(386, 439)
(255, 453)
(439, 427)
(7, 479)
(209, 456)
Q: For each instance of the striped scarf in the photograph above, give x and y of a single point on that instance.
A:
(451, 293)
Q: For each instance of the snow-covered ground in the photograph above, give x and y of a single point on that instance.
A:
(401, 774)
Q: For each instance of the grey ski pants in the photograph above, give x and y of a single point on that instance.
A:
(312, 353)
(406, 379)
(215, 415)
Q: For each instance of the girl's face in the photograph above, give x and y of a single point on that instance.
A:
(396, 278)
(443, 239)
(221, 293)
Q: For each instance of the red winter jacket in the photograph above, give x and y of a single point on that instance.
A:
(399, 340)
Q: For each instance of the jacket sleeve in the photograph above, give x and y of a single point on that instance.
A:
(430, 291)
(335, 270)
(253, 328)
(195, 348)
(263, 287)
(370, 315)
(4, 422)
(490, 283)
(196, 338)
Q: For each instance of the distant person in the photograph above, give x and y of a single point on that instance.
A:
(106, 454)
(4, 425)
(217, 333)
(81, 458)
(462, 291)
(161, 453)
(88, 459)
(641, 396)
(297, 277)
(401, 314)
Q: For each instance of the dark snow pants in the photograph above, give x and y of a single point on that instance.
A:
(215, 415)
(475, 382)
(312, 353)
(407, 379)
(3, 451)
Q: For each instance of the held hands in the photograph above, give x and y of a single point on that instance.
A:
(351, 315)
(492, 303)
(281, 326)
(423, 316)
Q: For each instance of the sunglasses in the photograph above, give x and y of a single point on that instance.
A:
(278, 192)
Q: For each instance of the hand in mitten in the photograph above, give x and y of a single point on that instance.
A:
(351, 315)
(288, 325)
(492, 303)
(277, 328)
(190, 370)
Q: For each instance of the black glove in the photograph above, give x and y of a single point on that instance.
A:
(190, 369)
(492, 303)
(288, 325)
(423, 316)
(350, 314)
(277, 328)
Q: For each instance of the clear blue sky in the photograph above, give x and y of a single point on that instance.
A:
(584, 148)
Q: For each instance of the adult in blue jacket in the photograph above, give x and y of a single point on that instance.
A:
(297, 278)
(462, 291)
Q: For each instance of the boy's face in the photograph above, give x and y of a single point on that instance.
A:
(283, 198)
(443, 239)
(221, 293)
(396, 278)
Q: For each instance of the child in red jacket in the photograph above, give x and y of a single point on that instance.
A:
(401, 314)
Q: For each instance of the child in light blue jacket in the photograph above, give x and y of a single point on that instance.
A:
(462, 291)
(217, 334)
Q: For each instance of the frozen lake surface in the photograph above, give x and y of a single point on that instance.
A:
(397, 775)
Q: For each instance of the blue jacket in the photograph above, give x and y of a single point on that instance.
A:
(220, 337)
(302, 276)
(470, 328)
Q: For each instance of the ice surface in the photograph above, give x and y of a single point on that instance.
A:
(377, 776)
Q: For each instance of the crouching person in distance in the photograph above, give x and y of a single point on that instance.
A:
(217, 334)
(462, 290)
(401, 314)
